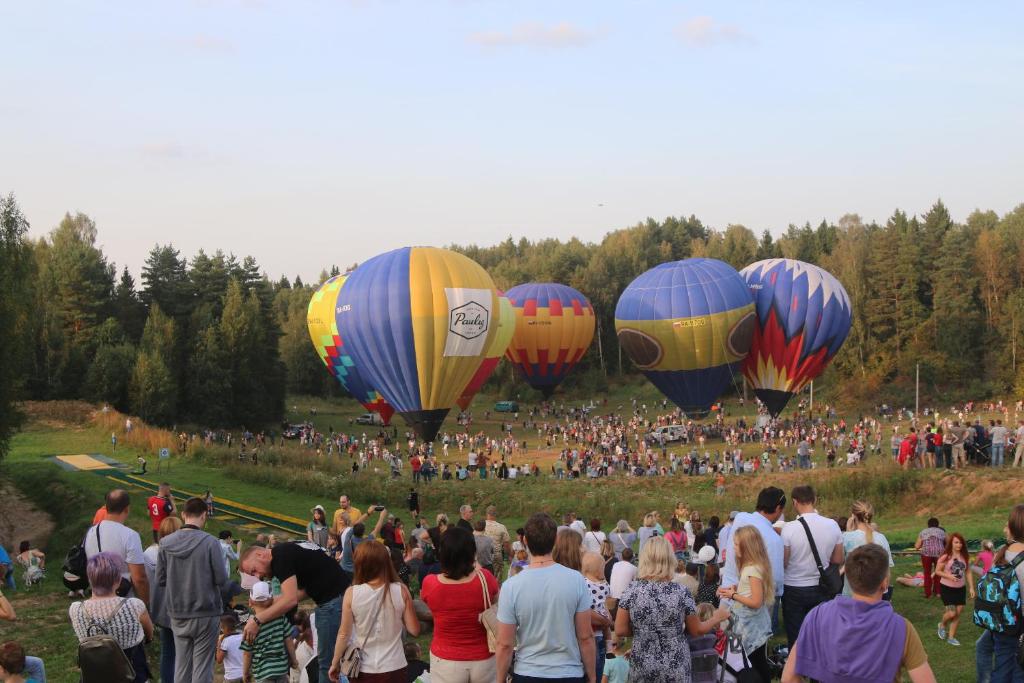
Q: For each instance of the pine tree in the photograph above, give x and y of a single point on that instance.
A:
(165, 282)
(128, 307)
(956, 301)
(154, 384)
(14, 266)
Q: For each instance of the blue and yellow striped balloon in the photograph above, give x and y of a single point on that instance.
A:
(687, 325)
(418, 322)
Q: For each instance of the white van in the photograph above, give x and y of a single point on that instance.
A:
(667, 434)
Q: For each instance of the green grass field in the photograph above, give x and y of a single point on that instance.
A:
(974, 503)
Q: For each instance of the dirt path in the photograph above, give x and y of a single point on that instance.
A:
(20, 520)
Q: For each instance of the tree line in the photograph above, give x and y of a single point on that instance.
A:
(211, 339)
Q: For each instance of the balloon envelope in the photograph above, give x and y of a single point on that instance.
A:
(502, 338)
(554, 327)
(323, 331)
(418, 321)
(803, 318)
(687, 325)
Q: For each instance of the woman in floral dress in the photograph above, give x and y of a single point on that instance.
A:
(658, 614)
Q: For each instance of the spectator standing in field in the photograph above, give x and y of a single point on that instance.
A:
(802, 572)
(1018, 456)
(931, 542)
(954, 581)
(190, 571)
(771, 502)
(498, 534)
(160, 507)
(647, 531)
(305, 571)
(594, 537)
(271, 654)
(345, 508)
(546, 610)
(458, 650)
(860, 529)
(466, 518)
(623, 537)
(317, 529)
(995, 652)
(125, 619)
(229, 649)
(658, 614)
(111, 535)
(998, 434)
(484, 546)
(156, 600)
(373, 615)
(752, 597)
(859, 637)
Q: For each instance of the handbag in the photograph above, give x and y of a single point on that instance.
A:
(489, 617)
(830, 581)
(352, 657)
(748, 674)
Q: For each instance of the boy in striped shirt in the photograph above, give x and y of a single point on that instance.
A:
(268, 658)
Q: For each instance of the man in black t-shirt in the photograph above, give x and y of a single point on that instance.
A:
(304, 570)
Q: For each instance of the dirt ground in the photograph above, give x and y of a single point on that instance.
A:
(20, 520)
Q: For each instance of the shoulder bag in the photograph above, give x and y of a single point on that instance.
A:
(352, 657)
(830, 581)
(489, 617)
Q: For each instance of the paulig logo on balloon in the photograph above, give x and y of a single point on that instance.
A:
(468, 321)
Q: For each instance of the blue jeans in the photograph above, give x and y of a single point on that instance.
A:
(516, 678)
(1003, 648)
(328, 621)
(166, 654)
(805, 462)
(998, 450)
(602, 649)
(35, 670)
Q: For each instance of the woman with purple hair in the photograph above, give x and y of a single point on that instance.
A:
(124, 619)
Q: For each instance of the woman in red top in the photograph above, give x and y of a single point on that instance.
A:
(459, 652)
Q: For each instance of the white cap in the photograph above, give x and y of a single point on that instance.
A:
(260, 592)
(706, 554)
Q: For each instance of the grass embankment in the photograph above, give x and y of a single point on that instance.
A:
(973, 502)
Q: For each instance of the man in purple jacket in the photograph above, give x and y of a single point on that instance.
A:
(859, 638)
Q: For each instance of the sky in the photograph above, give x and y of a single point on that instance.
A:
(315, 132)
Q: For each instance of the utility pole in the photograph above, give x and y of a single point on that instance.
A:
(917, 392)
(600, 349)
(812, 395)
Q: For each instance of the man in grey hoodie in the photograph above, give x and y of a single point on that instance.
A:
(191, 572)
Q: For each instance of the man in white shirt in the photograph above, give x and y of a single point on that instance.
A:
(112, 536)
(998, 433)
(623, 573)
(802, 575)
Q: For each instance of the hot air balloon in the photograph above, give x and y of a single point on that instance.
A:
(687, 325)
(554, 327)
(417, 322)
(506, 326)
(323, 331)
(803, 317)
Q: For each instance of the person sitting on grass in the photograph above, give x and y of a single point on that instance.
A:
(268, 658)
(859, 637)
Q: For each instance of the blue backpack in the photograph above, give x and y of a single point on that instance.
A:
(998, 605)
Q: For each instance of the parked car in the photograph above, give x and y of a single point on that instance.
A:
(506, 407)
(369, 419)
(667, 434)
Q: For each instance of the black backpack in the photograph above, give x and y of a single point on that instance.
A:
(75, 567)
(100, 658)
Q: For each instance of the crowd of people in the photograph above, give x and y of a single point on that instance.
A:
(679, 600)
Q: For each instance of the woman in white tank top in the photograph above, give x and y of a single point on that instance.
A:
(374, 611)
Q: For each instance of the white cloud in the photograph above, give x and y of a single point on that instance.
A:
(561, 35)
(705, 32)
(210, 44)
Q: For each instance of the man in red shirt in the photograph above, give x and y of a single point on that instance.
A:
(160, 507)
